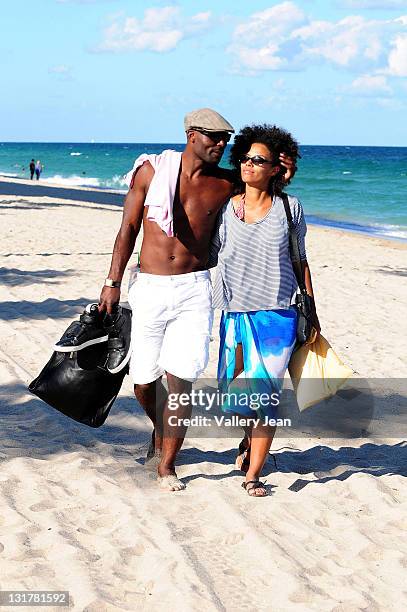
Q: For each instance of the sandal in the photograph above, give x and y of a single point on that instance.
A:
(255, 484)
(243, 456)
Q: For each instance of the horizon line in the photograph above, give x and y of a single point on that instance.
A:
(89, 142)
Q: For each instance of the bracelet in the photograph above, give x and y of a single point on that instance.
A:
(109, 282)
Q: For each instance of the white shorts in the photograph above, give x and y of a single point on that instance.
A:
(171, 325)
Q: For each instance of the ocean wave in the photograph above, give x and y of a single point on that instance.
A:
(75, 153)
(73, 181)
(392, 231)
(379, 230)
(116, 182)
(10, 174)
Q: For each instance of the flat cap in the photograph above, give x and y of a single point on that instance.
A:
(207, 119)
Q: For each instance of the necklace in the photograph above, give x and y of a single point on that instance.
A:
(239, 210)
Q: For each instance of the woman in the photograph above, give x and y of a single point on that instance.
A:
(38, 169)
(255, 286)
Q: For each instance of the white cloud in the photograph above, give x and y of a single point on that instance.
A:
(352, 42)
(285, 38)
(398, 57)
(160, 30)
(62, 71)
(367, 85)
(374, 4)
(275, 21)
(391, 104)
(200, 18)
(84, 1)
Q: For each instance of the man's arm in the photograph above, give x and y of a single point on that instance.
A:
(126, 237)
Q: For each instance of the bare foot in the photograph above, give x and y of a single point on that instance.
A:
(170, 482)
(153, 457)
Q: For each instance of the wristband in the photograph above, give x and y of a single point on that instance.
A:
(109, 282)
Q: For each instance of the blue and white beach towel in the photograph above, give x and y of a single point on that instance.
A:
(268, 338)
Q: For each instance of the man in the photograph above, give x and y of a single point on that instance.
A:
(171, 299)
(32, 169)
(172, 309)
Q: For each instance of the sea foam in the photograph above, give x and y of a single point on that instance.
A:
(73, 181)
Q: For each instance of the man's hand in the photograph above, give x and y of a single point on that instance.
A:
(109, 297)
(289, 164)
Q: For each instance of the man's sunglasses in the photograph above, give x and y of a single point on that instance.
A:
(215, 136)
(257, 160)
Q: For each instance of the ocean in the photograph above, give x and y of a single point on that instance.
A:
(357, 188)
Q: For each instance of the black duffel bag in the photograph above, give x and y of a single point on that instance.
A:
(79, 385)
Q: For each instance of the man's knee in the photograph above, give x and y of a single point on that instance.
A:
(145, 391)
(178, 385)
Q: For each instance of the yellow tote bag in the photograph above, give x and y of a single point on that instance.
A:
(316, 372)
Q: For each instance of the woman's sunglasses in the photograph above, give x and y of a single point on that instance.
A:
(257, 160)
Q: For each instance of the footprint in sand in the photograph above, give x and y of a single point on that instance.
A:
(232, 539)
(131, 551)
(41, 506)
(100, 523)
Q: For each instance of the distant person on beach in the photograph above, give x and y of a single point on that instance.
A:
(176, 197)
(38, 169)
(32, 169)
(255, 288)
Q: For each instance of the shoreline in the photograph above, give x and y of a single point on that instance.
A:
(103, 195)
(38, 189)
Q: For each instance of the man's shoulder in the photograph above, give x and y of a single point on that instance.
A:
(224, 174)
(142, 176)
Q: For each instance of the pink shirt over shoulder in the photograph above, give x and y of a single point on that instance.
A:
(161, 193)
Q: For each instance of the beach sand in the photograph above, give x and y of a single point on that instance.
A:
(79, 512)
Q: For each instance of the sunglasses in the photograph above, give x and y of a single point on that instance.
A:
(257, 160)
(215, 136)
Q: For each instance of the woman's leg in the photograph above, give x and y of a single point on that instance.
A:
(243, 458)
(262, 437)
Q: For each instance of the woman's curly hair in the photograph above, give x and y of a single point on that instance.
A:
(276, 140)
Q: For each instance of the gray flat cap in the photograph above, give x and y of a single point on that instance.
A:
(207, 119)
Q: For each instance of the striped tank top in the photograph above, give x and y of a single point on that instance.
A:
(254, 270)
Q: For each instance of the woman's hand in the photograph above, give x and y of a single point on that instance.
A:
(109, 298)
(289, 164)
(316, 331)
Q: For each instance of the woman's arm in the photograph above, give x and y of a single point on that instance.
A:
(308, 286)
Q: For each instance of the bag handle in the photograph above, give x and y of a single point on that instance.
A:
(293, 246)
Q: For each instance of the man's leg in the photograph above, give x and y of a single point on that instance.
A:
(184, 356)
(174, 432)
(152, 397)
(147, 301)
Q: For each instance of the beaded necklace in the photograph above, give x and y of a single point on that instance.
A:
(239, 210)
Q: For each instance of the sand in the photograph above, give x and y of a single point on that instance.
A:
(80, 513)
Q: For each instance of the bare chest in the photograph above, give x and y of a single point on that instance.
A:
(200, 200)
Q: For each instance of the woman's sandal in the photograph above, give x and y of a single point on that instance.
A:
(243, 456)
(255, 484)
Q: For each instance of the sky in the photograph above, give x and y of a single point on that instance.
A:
(333, 72)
